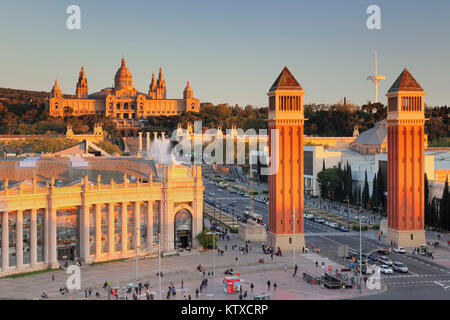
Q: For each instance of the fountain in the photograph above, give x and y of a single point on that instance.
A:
(160, 150)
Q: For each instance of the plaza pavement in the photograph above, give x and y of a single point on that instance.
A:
(183, 267)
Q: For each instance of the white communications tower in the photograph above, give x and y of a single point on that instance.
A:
(376, 78)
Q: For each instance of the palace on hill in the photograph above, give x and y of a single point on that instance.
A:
(123, 101)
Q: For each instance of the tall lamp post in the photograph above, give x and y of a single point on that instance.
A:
(214, 263)
(159, 272)
(294, 234)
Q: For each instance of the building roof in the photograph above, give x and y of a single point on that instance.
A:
(69, 170)
(286, 81)
(375, 136)
(405, 82)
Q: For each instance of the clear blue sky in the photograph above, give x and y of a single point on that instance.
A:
(230, 50)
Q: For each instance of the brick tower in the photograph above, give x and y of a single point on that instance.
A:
(405, 178)
(286, 154)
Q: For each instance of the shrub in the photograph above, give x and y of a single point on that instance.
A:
(207, 239)
(234, 230)
(363, 228)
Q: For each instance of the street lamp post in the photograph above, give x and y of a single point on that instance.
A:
(159, 272)
(360, 255)
(215, 207)
(294, 236)
(214, 263)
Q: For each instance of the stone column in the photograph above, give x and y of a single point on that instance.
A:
(46, 243)
(84, 224)
(137, 222)
(147, 135)
(19, 239)
(52, 243)
(150, 225)
(33, 238)
(5, 240)
(169, 226)
(98, 230)
(124, 227)
(111, 246)
(140, 144)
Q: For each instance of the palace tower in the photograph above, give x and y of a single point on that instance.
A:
(286, 153)
(405, 179)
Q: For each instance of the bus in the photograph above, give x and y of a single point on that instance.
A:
(254, 217)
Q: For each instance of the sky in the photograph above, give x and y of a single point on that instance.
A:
(231, 51)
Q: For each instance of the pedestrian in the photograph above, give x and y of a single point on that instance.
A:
(285, 268)
(268, 285)
(196, 292)
(53, 277)
(271, 256)
(189, 297)
(182, 284)
(317, 263)
(252, 286)
(303, 249)
(85, 293)
(274, 286)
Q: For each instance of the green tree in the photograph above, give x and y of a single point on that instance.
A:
(207, 239)
(365, 193)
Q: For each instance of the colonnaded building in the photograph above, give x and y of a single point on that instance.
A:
(94, 209)
(122, 101)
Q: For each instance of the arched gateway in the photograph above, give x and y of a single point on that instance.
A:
(183, 229)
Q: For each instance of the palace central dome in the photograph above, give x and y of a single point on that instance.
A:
(123, 78)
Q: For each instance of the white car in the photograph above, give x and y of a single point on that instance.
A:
(386, 261)
(400, 267)
(334, 225)
(308, 216)
(399, 250)
(386, 269)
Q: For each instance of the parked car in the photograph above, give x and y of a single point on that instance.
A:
(386, 260)
(400, 267)
(334, 225)
(343, 228)
(386, 269)
(308, 216)
(399, 250)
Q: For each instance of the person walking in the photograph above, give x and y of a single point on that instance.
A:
(268, 285)
(251, 287)
(182, 284)
(275, 286)
(53, 277)
(285, 268)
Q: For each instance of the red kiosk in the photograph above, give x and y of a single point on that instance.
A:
(232, 284)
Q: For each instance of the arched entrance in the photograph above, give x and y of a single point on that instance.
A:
(183, 229)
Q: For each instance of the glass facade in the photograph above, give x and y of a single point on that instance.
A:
(40, 221)
(130, 227)
(183, 229)
(144, 217)
(92, 230)
(26, 236)
(67, 232)
(104, 226)
(12, 221)
(156, 222)
(118, 227)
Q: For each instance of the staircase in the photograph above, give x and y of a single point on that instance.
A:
(132, 144)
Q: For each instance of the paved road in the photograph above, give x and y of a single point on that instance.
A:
(423, 273)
